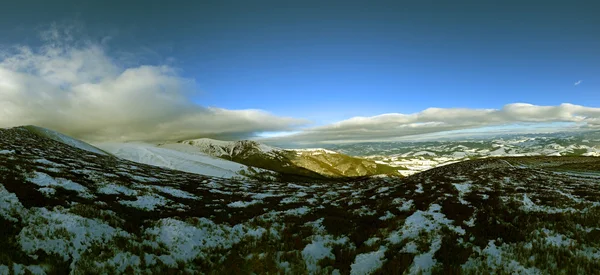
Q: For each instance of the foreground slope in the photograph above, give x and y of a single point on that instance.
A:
(317, 163)
(63, 209)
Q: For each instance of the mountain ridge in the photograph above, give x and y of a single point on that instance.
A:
(313, 162)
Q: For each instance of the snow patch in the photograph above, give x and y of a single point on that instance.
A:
(44, 180)
(242, 204)
(146, 202)
(367, 263)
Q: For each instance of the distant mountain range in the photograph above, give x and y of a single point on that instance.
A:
(420, 156)
(249, 159)
(316, 162)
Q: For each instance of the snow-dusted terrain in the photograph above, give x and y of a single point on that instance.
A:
(176, 156)
(308, 163)
(66, 210)
(421, 156)
(220, 148)
(64, 139)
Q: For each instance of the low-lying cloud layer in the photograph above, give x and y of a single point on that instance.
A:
(76, 88)
(434, 120)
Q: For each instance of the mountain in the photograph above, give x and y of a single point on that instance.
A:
(420, 156)
(43, 132)
(68, 210)
(184, 158)
(313, 163)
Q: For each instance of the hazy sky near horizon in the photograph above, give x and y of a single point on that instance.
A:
(327, 69)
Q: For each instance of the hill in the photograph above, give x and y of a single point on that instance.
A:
(184, 159)
(314, 163)
(67, 210)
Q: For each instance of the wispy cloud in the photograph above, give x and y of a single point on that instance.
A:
(72, 85)
(577, 83)
(436, 120)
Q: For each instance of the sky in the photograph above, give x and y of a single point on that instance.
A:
(316, 70)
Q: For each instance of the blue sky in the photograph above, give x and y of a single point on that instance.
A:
(327, 61)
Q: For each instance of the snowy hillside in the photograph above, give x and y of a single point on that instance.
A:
(178, 157)
(63, 210)
(64, 139)
(220, 148)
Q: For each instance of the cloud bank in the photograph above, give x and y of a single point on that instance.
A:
(74, 87)
(435, 120)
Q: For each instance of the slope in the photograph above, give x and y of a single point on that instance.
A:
(315, 163)
(63, 210)
(64, 139)
(179, 158)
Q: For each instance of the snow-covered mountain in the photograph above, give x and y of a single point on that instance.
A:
(231, 149)
(67, 210)
(64, 139)
(314, 162)
(420, 156)
(180, 157)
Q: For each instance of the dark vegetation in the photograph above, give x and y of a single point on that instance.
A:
(349, 208)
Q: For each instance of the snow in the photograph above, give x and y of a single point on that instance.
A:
(121, 261)
(6, 152)
(367, 263)
(63, 234)
(180, 157)
(67, 140)
(187, 241)
(387, 216)
(463, 189)
(371, 241)
(242, 204)
(175, 192)
(423, 263)
(470, 222)
(10, 207)
(315, 252)
(530, 206)
(313, 151)
(298, 211)
(47, 162)
(319, 249)
(423, 221)
(495, 259)
(429, 223)
(556, 239)
(114, 189)
(383, 189)
(147, 202)
(419, 188)
(424, 153)
(47, 191)
(44, 180)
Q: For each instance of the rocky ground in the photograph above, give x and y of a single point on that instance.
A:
(63, 209)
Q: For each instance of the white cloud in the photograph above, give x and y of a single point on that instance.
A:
(73, 86)
(577, 83)
(435, 120)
